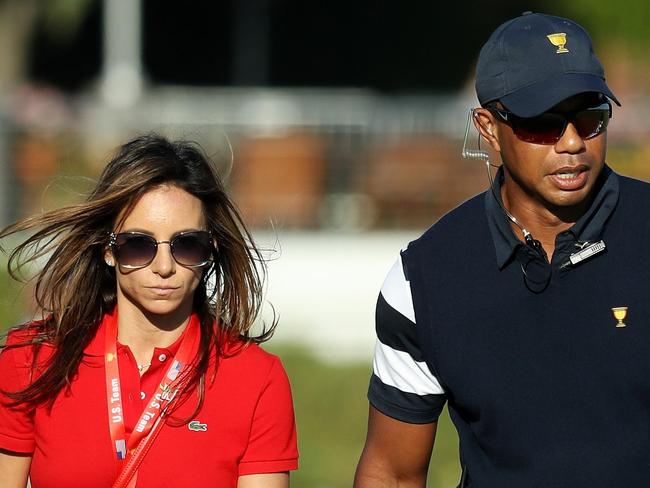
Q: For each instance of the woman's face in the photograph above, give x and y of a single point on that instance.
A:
(164, 287)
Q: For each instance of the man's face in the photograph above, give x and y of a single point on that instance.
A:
(555, 177)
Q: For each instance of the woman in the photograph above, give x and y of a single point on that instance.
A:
(143, 369)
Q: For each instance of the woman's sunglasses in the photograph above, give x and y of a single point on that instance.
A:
(135, 250)
(549, 127)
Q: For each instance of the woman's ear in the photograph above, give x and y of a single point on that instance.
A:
(487, 127)
(109, 259)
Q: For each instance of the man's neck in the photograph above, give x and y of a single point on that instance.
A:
(542, 222)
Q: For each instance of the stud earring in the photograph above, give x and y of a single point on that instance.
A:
(109, 262)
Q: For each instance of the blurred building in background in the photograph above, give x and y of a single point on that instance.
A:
(336, 124)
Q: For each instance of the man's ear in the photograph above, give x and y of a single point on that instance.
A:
(487, 127)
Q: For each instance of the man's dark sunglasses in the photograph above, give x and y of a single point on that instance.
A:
(135, 250)
(548, 128)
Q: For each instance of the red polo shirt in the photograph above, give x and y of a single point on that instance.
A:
(246, 424)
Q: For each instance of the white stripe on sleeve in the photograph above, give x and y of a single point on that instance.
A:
(400, 370)
(397, 291)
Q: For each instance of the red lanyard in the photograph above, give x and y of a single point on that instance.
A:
(144, 432)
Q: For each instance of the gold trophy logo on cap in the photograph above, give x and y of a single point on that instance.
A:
(619, 314)
(559, 40)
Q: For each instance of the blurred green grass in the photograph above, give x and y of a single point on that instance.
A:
(331, 414)
(12, 300)
(331, 409)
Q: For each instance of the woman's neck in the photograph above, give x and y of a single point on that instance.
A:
(143, 332)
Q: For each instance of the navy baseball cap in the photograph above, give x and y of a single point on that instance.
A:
(535, 61)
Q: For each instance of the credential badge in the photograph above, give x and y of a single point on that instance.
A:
(558, 40)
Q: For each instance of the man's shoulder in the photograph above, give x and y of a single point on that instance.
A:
(635, 186)
(633, 195)
(459, 223)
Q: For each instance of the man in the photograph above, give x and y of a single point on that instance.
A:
(526, 309)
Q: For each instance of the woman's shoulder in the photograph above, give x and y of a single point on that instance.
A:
(18, 354)
(249, 358)
(24, 333)
(239, 349)
(249, 372)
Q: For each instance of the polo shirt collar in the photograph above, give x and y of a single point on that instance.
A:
(588, 228)
(97, 346)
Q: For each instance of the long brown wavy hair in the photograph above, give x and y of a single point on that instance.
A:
(75, 287)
